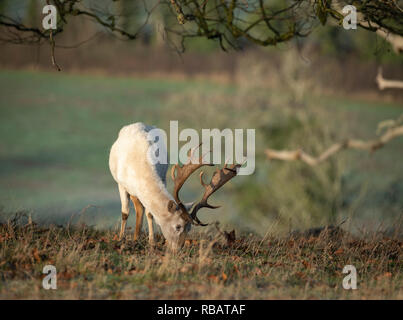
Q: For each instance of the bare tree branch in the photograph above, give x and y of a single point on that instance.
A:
(52, 47)
(52, 52)
(263, 22)
(387, 84)
(373, 18)
(395, 40)
(67, 9)
(370, 146)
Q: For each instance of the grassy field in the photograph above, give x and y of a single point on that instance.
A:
(94, 265)
(55, 135)
(56, 131)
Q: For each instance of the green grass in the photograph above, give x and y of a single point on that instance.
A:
(56, 130)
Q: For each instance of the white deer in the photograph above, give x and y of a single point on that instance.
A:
(145, 184)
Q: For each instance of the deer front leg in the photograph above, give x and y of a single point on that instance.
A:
(150, 228)
(124, 199)
(139, 216)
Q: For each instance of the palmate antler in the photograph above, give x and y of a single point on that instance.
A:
(184, 172)
(219, 178)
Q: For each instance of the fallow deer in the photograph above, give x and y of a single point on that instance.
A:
(145, 184)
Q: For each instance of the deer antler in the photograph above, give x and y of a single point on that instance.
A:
(184, 172)
(219, 178)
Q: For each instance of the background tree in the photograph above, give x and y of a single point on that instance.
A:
(260, 21)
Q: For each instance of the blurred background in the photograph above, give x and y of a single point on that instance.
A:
(56, 128)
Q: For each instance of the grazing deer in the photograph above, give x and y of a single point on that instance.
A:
(145, 184)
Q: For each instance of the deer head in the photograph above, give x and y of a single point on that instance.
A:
(182, 220)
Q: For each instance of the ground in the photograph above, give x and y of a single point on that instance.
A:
(95, 265)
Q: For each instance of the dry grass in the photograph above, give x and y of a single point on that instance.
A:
(93, 264)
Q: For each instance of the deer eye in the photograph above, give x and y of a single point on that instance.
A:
(178, 227)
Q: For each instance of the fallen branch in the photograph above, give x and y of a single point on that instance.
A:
(370, 146)
(387, 84)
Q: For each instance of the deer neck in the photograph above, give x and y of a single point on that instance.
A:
(155, 199)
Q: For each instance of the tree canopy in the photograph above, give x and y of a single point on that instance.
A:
(230, 22)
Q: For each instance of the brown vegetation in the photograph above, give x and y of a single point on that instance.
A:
(94, 264)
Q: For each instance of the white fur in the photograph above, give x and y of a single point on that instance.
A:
(131, 169)
(137, 176)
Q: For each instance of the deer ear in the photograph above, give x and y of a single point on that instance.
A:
(172, 207)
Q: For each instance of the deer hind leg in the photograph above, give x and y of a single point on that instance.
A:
(139, 216)
(150, 228)
(124, 199)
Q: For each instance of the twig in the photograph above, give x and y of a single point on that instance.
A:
(179, 13)
(52, 50)
(52, 46)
